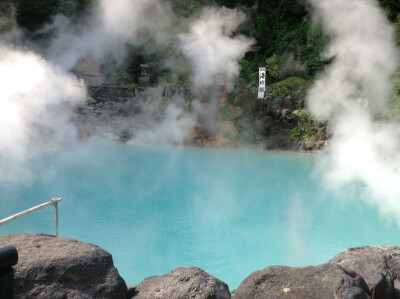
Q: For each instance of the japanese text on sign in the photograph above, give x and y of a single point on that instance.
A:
(261, 83)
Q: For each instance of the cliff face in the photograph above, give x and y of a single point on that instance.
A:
(272, 123)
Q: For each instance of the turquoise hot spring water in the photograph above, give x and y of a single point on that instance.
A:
(229, 212)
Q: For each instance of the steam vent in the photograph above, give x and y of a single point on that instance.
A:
(199, 149)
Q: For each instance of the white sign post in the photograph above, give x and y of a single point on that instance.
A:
(261, 82)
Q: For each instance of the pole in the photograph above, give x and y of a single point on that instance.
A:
(56, 207)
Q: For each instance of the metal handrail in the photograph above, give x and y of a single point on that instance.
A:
(53, 202)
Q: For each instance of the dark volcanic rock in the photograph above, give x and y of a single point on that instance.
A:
(379, 266)
(51, 267)
(289, 103)
(111, 93)
(183, 283)
(323, 281)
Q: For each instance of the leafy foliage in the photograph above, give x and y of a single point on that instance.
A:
(296, 133)
(394, 103)
(392, 8)
(290, 86)
(304, 112)
(281, 28)
(120, 76)
(186, 8)
(33, 14)
(303, 130)
(397, 28)
(271, 66)
(132, 85)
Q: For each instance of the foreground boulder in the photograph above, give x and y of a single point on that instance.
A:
(323, 281)
(378, 265)
(182, 283)
(50, 267)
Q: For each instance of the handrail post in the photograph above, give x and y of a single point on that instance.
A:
(56, 207)
(54, 202)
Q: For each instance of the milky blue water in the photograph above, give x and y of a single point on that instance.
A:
(229, 212)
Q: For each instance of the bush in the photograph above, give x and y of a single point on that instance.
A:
(132, 85)
(120, 76)
(304, 112)
(394, 102)
(296, 133)
(294, 86)
(271, 66)
(186, 8)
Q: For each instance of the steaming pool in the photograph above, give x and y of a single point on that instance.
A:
(228, 212)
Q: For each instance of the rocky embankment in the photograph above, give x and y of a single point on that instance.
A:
(104, 106)
(270, 123)
(51, 267)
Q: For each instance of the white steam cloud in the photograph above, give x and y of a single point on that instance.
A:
(209, 46)
(175, 128)
(298, 221)
(213, 52)
(211, 49)
(354, 88)
(161, 121)
(35, 99)
(105, 32)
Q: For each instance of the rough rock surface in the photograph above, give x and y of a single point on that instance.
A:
(378, 265)
(230, 112)
(227, 129)
(183, 283)
(111, 93)
(50, 267)
(261, 123)
(323, 281)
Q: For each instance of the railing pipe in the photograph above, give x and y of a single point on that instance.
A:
(53, 202)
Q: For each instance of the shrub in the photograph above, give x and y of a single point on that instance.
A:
(294, 86)
(308, 132)
(132, 85)
(304, 112)
(394, 102)
(296, 133)
(271, 66)
(120, 76)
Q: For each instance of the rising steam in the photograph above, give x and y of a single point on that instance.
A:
(35, 107)
(211, 49)
(37, 99)
(104, 33)
(213, 53)
(353, 90)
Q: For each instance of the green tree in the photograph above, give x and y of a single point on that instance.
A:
(33, 14)
(392, 8)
